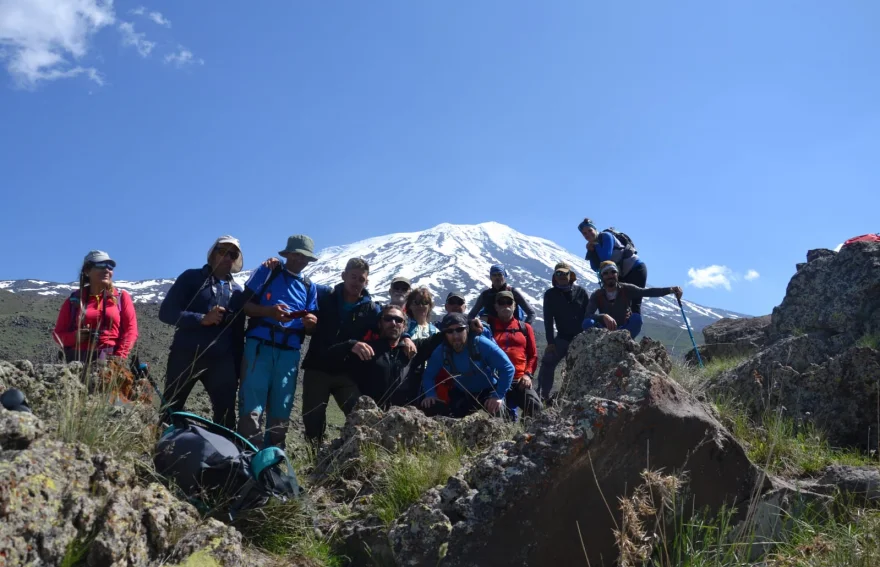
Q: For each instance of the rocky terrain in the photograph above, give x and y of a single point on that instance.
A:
(772, 448)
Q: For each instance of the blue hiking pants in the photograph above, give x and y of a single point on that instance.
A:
(268, 388)
(633, 325)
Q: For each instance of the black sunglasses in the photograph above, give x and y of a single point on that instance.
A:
(104, 266)
(504, 302)
(560, 274)
(455, 301)
(400, 287)
(231, 252)
(422, 303)
(394, 319)
(455, 331)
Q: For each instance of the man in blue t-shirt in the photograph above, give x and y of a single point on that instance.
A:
(281, 304)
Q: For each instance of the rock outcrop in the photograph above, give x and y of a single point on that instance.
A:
(727, 338)
(524, 501)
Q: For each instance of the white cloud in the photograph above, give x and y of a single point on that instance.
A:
(42, 40)
(183, 58)
(160, 19)
(752, 275)
(131, 38)
(712, 276)
(139, 11)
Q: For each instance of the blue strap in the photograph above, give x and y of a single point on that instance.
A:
(208, 422)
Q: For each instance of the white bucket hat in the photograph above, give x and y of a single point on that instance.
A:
(96, 256)
(227, 239)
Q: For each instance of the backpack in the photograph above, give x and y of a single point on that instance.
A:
(629, 247)
(521, 329)
(258, 322)
(863, 238)
(219, 470)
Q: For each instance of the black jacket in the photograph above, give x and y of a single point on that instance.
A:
(566, 309)
(335, 327)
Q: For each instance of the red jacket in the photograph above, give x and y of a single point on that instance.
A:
(114, 318)
(519, 346)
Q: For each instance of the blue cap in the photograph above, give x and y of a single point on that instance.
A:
(498, 269)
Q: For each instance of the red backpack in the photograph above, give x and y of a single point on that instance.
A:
(863, 238)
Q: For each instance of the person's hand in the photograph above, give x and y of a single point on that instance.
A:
(493, 406)
(476, 326)
(309, 322)
(678, 292)
(409, 347)
(214, 316)
(525, 383)
(272, 263)
(280, 313)
(591, 245)
(610, 323)
(429, 401)
(362, 351)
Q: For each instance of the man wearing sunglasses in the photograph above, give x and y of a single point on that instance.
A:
(486, 300)
(480, 372)
(208, 339)
(398, 291)
(517, 340)
(381, 366)
(564, 304)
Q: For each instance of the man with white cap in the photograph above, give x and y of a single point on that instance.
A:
(281, 304)
(208, 341)
(400, 287)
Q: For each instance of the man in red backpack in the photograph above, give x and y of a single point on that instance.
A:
(517, 339)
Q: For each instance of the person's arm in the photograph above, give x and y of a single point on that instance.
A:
(522, 302)
(62, 333)
(426, 348)
(478, 304)
(637, 292)
(592, 307)
(128, 329)
(341, 351)
(531, 351)
(548, 318)
(604, 246)
(499, 362)
(435, 363)
(173, 310)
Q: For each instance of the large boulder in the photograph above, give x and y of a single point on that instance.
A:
(529, 501)
(729, 338)
(833, 293)
(59, 500)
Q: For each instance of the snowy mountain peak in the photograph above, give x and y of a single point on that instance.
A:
(447, 257)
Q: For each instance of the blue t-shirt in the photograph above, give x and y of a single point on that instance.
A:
(286, 289)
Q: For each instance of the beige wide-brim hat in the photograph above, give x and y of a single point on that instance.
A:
(227, 239)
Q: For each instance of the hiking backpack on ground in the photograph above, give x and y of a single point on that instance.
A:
(218, 469)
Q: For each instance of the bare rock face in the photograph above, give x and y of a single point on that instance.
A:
(727, 338)
(55, 497)
(834, 293)
(524, 502)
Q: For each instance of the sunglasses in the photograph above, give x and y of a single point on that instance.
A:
(560, 274)
(400, 287)
(455, 301)
(394, 319)
(455, 331)
(231, 252)
(504, 302)
(104, 266)
(422, 303)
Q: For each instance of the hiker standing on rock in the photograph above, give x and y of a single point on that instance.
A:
(613, 299)
(486, 300)
(202, 305)
(281, 304)
(517, 340)
(617, 247)
(346, 313)
(564, 304)
(98, 320)
(480, 372)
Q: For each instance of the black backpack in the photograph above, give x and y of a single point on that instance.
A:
(219, 470)
(629, 247)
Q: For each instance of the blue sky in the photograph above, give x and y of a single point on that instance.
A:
(736, 135)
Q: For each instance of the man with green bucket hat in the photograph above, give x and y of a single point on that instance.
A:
(281, 304)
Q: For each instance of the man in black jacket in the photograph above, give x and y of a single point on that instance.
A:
(564, 304)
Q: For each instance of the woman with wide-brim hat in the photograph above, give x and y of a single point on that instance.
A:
(98, 320)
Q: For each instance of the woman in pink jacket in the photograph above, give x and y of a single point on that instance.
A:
(98, 320)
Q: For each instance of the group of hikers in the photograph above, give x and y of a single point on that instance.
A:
(247, 342)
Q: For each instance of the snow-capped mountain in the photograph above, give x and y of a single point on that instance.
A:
(444, 258)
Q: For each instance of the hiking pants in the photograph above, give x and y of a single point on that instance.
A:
(633, 325)
(525, 398)
(462, 403)
(268, 388)
(217, 373)
(637, 276)
(318, 386)
(549, 361)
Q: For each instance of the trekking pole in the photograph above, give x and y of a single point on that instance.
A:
(693, 342)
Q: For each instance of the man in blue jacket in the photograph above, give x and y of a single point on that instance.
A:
(203, 305)
(280, 303)
(481, 371)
